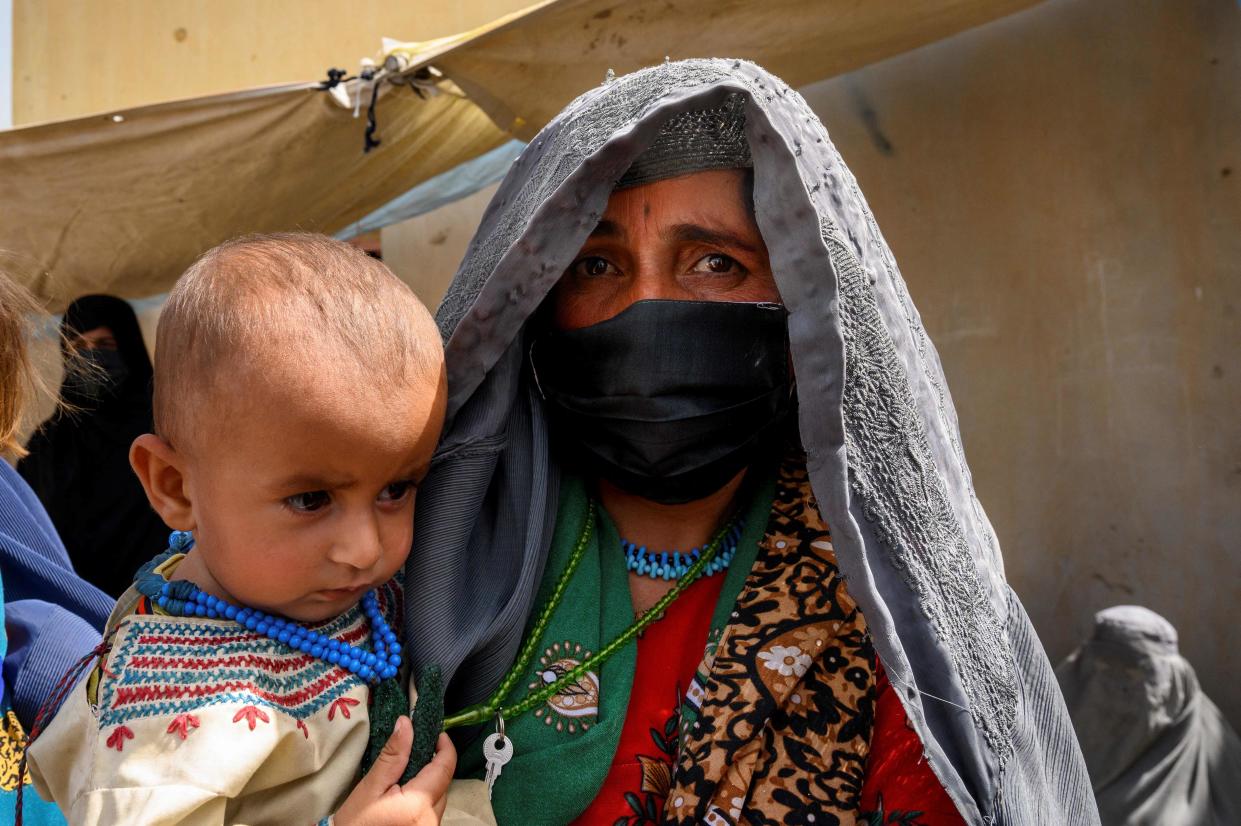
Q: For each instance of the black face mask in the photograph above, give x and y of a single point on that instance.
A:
(668, 400)
(96, 378)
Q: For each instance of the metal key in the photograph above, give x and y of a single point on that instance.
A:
(498, 750)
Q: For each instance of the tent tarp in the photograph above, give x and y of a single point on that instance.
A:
(123, 202)
(524, 71)
(453, 185)
(101, 205)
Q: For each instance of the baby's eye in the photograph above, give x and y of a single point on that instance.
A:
(396, 491)
(592, 266)
(308, 502)
(716, 263)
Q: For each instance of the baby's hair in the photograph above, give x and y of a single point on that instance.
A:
(257, 301)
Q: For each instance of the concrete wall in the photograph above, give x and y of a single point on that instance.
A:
(6, 64)
(426, 250)
(1062, 189)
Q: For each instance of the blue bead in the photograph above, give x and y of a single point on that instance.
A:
(230, 612)
(162, 601)
(334, 658)
(316, 650)
(251, 623)
(200, 611)
(262, 627)
(394, 660)
(366, 672)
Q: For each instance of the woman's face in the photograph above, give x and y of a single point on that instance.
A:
(96, 338)
(688, 238)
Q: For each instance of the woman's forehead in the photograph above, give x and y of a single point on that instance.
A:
(713, 198)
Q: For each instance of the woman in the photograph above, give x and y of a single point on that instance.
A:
(1159, 751)
(79, 458)
(627, 397)
(50, 617)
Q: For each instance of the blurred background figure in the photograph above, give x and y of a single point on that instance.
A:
(1158, 750)
(78, 460)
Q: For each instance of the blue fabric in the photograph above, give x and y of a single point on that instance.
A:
(52, 616)
(36, 811)
(457, 183)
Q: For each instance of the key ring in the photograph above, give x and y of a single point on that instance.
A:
(499, 724)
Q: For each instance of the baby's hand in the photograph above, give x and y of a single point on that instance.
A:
(378, 800)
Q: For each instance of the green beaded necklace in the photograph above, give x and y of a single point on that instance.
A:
(487, 710)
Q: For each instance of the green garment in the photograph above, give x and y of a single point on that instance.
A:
(554, 774)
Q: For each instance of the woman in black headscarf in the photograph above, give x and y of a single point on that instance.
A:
(79, 458)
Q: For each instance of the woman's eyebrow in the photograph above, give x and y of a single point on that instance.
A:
(695, 233)
(607, 229)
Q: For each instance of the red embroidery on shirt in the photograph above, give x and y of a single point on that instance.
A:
(116, 740)
(181, 724)
(128, 695)
(305, 731)
(342, 703)
(251, 713)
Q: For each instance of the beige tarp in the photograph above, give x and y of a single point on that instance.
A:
(123, 202)
(98, 205)
(524, 71)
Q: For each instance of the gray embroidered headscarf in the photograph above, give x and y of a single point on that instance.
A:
(880, 433)
(1158, 750)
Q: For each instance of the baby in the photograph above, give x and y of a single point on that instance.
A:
(299, 394)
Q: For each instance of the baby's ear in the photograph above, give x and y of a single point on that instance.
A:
(162, 473)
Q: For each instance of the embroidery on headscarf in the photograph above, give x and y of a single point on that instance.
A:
(888, 458)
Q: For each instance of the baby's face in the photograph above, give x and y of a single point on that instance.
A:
(303, 497)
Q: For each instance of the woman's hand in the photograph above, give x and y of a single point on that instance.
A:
(378, 800)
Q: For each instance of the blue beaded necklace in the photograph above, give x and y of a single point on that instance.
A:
(185, 599)
(676, 564)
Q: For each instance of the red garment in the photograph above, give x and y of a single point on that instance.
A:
(669, 652)
(899, 784)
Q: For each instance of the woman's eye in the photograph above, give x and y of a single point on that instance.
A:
(593, 266)
(396, 491)
(716, 262)
(308, 502)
